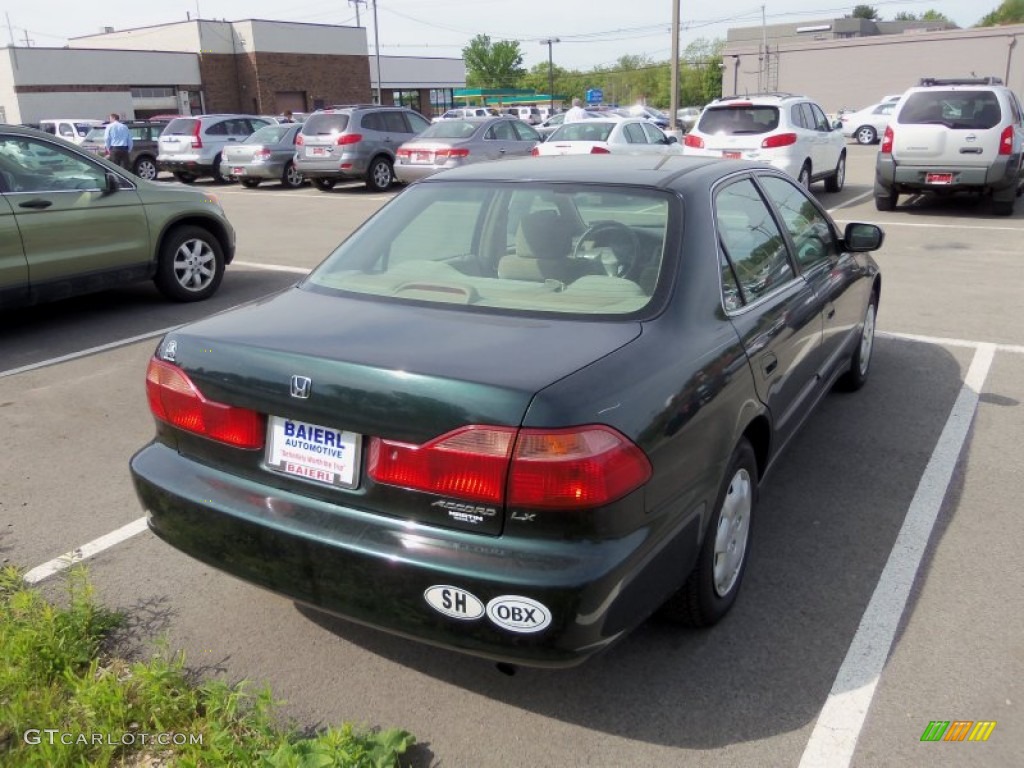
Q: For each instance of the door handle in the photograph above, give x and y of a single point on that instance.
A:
(830, 312)
(769, 363)
(38, 204)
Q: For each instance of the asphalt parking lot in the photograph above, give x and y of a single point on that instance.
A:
(841, 649)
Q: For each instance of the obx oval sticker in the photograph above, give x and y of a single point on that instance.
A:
(518, 614)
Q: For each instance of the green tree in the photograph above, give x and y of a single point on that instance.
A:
(865, 12)
(493, 65)
(905, 16)
(932, 15)
(1010, 12)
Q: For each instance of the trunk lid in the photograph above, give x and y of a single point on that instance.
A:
(377, 369)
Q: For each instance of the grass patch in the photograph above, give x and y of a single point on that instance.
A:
(65, 702)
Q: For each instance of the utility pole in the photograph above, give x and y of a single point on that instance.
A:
(10, 30)
(376, 48)
(357, 3)
(762, 75)
(673, 104)
(28, 43)
(551, 70)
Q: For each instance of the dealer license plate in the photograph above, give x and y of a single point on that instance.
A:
(732, 155)
(938, 178)
(423, 157)
(238, 171)
(321, 454)
(317, 151)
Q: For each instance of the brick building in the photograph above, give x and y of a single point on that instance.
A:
(203, 66)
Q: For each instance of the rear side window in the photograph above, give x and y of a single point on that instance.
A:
(753, 243)
(525, 132)
(739, 120)
(956, 109)
(325, 125)
(372, 121)
(395, 122)
(450, 129)
(502, 130)
(634, 134)
(181, 126)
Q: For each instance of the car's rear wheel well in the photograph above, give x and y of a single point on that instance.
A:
(758, 434)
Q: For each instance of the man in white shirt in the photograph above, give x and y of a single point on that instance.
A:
(577, 112)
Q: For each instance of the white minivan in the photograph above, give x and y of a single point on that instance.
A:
(74, 129)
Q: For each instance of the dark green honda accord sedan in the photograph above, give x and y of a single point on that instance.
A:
(525, 406)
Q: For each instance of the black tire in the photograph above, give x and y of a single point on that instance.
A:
(866, 134)
(184, 178)
(804, 177)
(886, 202)
(856, 375)
(250, 183)
(191, 264)
(145, 168)
(707, 597)
(215, 171)
(835, 182)
(292, 177)
(324, 185)
(1003, 207)
(380, 176)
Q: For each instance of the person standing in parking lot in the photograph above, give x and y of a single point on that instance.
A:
(118, 141)
(576, 112)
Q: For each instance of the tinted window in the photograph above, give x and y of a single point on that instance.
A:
(808, 228)
(752, 240)
(418, 123)
(654, 135)
(373, 121)
(324, 125)
(954, 109)
(503, 131)
(217, 129)
(182, 126)
(395, 122)
(820, 121)
(739, 120)
(634, 134)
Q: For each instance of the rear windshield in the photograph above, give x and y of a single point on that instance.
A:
(587, 130)
(450, 129)
(269, 134)
(953, 109)
(522, 247)
(182, 126)
(739, 120)
(324, 125)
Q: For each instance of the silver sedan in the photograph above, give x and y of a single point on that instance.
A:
(267, 155)
(453, 143)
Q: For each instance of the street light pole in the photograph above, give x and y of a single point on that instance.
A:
(551, 70)
(674, 98)
(376, 48)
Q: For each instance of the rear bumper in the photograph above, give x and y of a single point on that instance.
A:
(376, 570)
(269, 171)
(355, 167)
(185, 165)
(408, 172)
(1002, 174)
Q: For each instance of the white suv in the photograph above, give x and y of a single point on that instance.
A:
(786, 131)
(953, 135)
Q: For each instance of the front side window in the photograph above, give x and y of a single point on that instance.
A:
(654, 134)
(28, 165)
(502, 130)
(752, 240)
(808, 228)
(395, 123)
(515, 247)
(525, 132)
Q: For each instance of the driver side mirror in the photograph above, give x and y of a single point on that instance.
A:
(111, 183)
(672, 140)
(859, 237)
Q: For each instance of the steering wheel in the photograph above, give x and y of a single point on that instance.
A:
(614, 245)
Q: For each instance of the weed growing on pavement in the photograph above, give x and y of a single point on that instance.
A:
(65, 702)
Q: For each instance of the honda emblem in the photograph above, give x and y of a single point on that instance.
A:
(301, 386)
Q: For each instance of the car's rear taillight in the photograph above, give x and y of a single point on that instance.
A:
(441, 154)
(575, 468)
(349, 138)
(299, 141)
(261, 154)
(696, 142)
(535, 152)
(403, 153)
(470, 463)
(197, 142)
(1006, 141)
(600, 151)
(887, 139)
(779, 140)
(174, 399)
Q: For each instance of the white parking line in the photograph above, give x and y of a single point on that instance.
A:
(85, 551)
(943, 342)
(86, 352)
(834, 738)
(271, 267)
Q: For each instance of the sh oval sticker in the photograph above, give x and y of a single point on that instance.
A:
(518, 614)
(454, 602)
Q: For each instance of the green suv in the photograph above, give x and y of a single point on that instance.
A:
(73, 223)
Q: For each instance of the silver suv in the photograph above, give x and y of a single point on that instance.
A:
(355, 142)
(953, 135)
(190, 147)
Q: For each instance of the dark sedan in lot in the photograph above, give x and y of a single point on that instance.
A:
(522, 408)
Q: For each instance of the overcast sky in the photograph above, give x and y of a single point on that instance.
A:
(592, 32)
